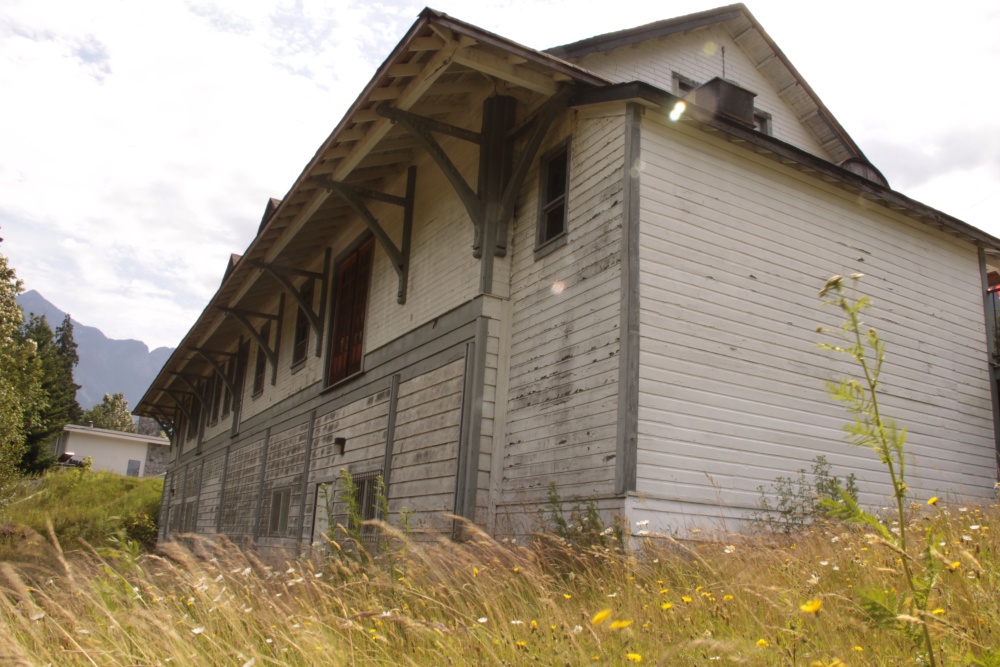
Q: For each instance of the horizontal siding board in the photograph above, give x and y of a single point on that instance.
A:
(732, 253)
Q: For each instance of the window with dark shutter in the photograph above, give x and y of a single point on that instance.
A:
(349, 308)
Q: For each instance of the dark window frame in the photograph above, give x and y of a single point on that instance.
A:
(553, 200)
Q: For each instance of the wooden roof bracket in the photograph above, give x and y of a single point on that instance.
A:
(354, 196)
(195, 391)
(421, 128)
(281, 273)
(173, 393)
(216, 366)
(243, 317)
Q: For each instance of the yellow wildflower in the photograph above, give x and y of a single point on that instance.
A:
(600, 617)
(727, 598)
(516, 570)
(666, 605)
(763, 643)
(938, 612)
(633, 657)
(618, 625)
(534, 625)
(932, 501)
(954, 565)
(475, 572)
(567, 596)
(686, 599)
(522, 644)
(664, 591)
(859, 649)
(812, 606)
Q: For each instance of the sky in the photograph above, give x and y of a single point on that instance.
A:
(140, 140)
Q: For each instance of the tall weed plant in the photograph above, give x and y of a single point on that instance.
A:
(871, 428)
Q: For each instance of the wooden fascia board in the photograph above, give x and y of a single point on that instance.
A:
(614, 40)
(545, 59)
(653, 97)
(828, 118)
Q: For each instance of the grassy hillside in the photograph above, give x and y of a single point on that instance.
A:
(830, 594)
(102, 508)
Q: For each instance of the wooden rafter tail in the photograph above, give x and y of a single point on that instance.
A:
(173, 393)
(195, 390)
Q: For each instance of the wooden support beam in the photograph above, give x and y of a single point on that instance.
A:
(172, 393)
(399, 257)
(197, 392)
(427, 141)
(281, 273)
(243, 317)
(430, 124)
(217, 367)
(498, 67)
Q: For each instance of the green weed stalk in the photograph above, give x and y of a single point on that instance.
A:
(870, 428)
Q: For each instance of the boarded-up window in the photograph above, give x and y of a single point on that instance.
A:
(280, 501)
(300, 347)
(133, 468)
(349, 308)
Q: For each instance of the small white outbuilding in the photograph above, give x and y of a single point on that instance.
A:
(128, 454)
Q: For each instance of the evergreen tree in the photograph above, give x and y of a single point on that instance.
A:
(57, 355)
(111, 413)
(20, 378)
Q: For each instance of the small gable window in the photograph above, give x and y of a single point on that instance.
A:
(349, 308)
(552, 199)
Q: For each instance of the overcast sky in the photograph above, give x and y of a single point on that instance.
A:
(139, 141)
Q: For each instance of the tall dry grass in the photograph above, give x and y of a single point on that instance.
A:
(734, 600)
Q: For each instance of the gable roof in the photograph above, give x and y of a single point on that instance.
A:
(771, 61)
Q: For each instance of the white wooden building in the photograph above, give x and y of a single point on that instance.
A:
(506, 268)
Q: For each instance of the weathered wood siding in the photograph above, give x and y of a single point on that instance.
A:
(562, 398)
(239, 501)
(211, 487)
(443, 272)
(363, 423)
(424, 461)
(285, 464)
(698, 56)
(733, 251)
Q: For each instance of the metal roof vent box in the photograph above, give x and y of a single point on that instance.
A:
(726, 99)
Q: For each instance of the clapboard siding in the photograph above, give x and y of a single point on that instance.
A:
(733, 250)
(698, 56)
(425, 447)
(285, 464)
(240, 496)
(443, 272)
(563, 380)
(211, 486)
